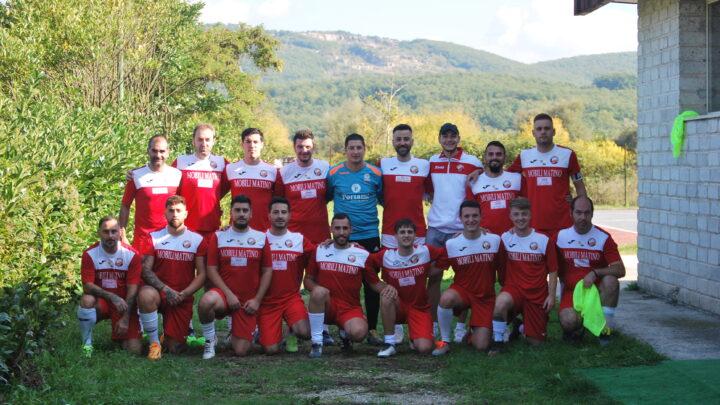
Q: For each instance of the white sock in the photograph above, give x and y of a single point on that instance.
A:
(87, 318)
(228, 319)
(445, 317)
(316, 327)
(461, 327)
(208, 330)
(190, 326)
(326, 329)
(399, 330)
(609, 316)
(499, 330)
(150, 324)
(390, 339)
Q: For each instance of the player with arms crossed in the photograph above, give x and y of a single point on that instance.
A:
(589, 255)
(476, 258)
(149, 186)
(334, 277)
(286, 253)
(547, 169)
(253, 177)
(407, 269)
(530, 258)
(110, 273)
(234, 268)
(173, 269)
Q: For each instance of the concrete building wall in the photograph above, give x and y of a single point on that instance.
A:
(679, 199)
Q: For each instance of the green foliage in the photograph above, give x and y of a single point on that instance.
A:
(82, 87)
(616, 81)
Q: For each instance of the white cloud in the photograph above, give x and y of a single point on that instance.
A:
(225, 11)
(273, 8)
(548, 30)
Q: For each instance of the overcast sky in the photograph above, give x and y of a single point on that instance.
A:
(524, 30)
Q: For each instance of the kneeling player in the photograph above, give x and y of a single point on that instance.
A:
(173, 269)
(334, 277)
(475, 257)
(110, 271)
(407, 269)
(588, 254)
(286, 253)
(234, 259)
(530, 257)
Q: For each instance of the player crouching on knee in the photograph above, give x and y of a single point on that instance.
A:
(235, 269)
(334, 276)
(589, 255)
(475, 258)
(530, 278)
(407, 269)
(110, 271)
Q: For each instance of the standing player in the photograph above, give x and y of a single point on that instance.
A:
(530, 257)
(234, 268)
(405, 179)
(547, 169)
(173, 269)
(110, 274)
(448, 171)
(286, 253)
(356, 188)
(149, 187)
(407, 269)
(203, 182)
(475, 258)
(588, 254)
(253, 177)
(334, 277)
(495, 188)
(303, 183)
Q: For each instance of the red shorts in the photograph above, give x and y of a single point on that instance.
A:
(339, 312)
(534, 316)
(176, 319)
(419, 321)
(243, 324)
(481, 309)
(107, 310)
(270, 316)
(141, 240)
(566, 300)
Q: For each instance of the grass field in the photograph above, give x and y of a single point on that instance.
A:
(551, 373)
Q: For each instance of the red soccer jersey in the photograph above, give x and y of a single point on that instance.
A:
(256, 182)
(305, 188)
(238, 257)
(580, 254)
(341, 271)
(494, 195)
(175, 256)
(203, 185)
(475, 263)
(404, 185)
(150, 190)
(287, 255)
(547, 180)
(528, 261)
(111, 272)
(408, 274)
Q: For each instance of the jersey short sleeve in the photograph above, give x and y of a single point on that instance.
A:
(551, 260)
(87, 268)
(516, 166)
(213, 253)
(135, 270)
(129, 194)
(610, 251)
(266, 255)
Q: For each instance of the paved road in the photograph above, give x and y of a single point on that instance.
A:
(620, 219)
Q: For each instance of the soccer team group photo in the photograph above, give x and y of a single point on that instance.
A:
(295, 252)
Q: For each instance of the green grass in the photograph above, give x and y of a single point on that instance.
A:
(629, 249)
(550, 373)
